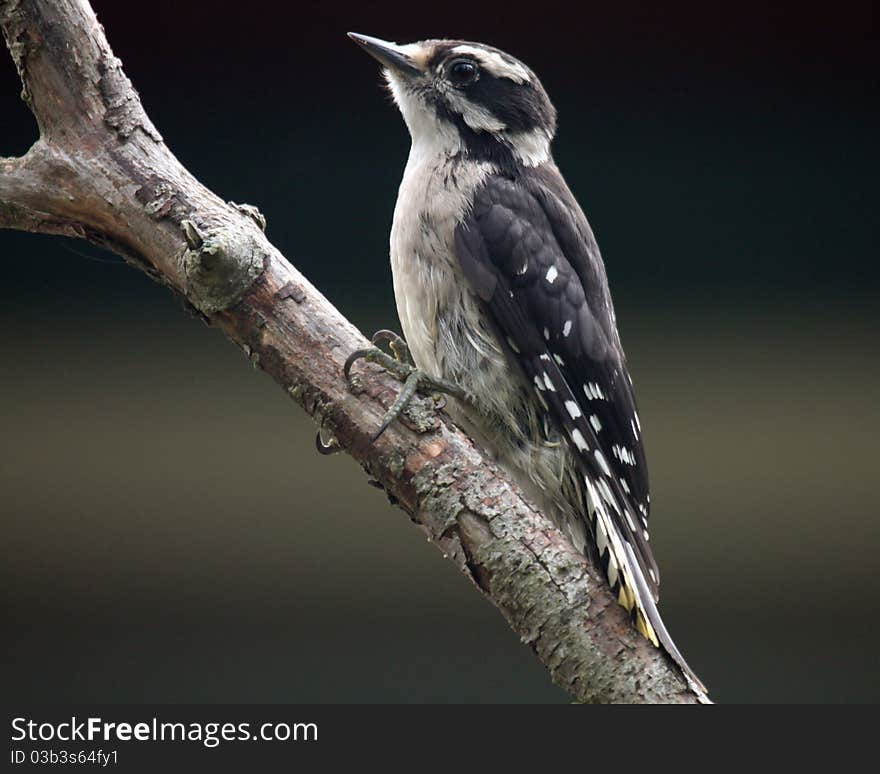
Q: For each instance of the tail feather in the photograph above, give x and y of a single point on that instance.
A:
(647, 611)
(626, 577)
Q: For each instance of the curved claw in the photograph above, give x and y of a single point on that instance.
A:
(331, 447)
(384, 335)
(397, 344)
(352, 359)
(410, 386)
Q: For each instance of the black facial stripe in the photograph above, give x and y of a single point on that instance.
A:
(519, 106)
(481, 146)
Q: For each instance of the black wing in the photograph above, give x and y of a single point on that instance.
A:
(529, 253)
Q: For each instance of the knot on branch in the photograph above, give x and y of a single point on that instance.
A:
(220, 265)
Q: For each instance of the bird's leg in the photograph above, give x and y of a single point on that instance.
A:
(401, 367)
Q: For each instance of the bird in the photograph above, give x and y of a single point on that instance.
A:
(504, 304)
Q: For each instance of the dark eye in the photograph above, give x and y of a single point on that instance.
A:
(462, 71)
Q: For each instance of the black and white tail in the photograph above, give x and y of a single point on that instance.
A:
(627, 579)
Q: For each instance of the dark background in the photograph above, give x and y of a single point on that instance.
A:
(727, 158)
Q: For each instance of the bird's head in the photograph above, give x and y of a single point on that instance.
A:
(457, 96)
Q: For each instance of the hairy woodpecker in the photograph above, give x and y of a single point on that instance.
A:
(501, 290)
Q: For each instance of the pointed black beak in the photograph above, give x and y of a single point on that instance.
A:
(389, 54)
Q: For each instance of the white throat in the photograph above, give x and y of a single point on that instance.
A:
(430, 136)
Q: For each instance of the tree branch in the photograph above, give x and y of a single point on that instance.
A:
(100, 171)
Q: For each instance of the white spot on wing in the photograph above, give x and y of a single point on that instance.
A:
(573, 409)
(624, 454)
(593, 391)
(549, 383)
(603, 463)
(552, 274)
(579, 441)
(594, 421)
(566, 329)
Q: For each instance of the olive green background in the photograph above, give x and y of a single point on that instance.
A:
(167, 532)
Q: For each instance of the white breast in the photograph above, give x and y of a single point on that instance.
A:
(428, 286)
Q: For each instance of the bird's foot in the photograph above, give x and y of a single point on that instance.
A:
(401, 367)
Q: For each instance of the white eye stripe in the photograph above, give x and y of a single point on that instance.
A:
(494, 63)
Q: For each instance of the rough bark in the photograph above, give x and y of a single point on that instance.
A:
(101, 171)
